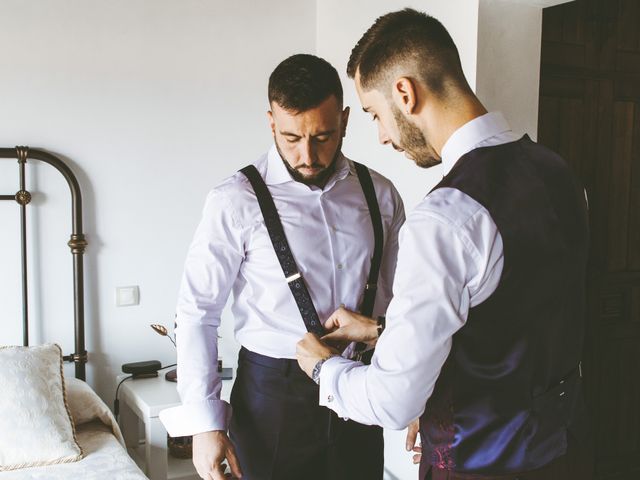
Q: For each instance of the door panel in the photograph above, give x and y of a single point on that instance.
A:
(590, 114)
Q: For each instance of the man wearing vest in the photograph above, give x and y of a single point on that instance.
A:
(484, 333)
(293, 236)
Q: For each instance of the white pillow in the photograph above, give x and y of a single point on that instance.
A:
(35, 425)
(85, 406)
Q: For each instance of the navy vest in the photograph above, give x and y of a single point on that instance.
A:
(510, 387)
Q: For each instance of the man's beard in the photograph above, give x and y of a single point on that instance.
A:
(413, 141)
(318, 179)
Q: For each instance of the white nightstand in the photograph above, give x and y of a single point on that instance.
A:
(141, 400)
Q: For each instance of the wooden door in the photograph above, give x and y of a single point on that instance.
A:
(590, 114)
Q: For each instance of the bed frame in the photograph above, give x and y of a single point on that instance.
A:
(77, 243)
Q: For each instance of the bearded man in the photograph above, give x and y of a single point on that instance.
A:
(296, 234)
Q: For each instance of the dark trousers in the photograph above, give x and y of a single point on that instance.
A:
(280, 432)
(576, 464)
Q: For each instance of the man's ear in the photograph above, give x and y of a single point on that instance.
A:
(405, 94)
(345, 120)
(272, 122)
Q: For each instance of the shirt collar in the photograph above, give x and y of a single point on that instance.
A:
(277, 172)
(471, 134)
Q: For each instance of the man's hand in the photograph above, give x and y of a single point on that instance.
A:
(412, 435)
(209, 451)
(348, 326)
(310, 350)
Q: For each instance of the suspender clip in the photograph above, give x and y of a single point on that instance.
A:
(294, 277)
(371, 286)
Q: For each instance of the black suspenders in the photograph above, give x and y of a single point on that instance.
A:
(371, 287)
(283, 252)
(288, 263)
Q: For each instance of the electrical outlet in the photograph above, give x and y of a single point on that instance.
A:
(127, 296)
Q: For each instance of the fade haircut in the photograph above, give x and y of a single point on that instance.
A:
(410, 43)
(302, 82)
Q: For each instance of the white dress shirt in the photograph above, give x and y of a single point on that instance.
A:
(450, 260)
(330, 234)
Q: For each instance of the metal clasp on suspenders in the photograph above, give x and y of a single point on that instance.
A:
(294, 277)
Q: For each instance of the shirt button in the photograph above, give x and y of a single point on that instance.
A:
(330, 398)
(339, 266)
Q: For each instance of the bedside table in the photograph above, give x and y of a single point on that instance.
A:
(141, 400)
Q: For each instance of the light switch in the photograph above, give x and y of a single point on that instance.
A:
(127, 296)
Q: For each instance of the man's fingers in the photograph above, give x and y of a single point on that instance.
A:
(303, 345)
(310, 338)
(338, 344)
(332, 323)
(334, 319)
(337, 336)
(412, 434)
(218, 472)
(411, 440)
(234, 464)
(309, 343)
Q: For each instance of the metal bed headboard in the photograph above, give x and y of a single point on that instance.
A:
(77, 243)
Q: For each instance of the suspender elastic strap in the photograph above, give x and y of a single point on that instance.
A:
(283, 252)
(369, 298)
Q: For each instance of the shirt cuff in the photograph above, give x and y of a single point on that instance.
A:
(194, 418)
(329, 377)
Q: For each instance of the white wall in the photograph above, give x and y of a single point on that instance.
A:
(508, 52)
(153, 102)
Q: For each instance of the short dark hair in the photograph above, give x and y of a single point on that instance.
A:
(302, 82)
(402, 37)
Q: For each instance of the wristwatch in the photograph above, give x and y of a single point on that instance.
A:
(315, 373)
